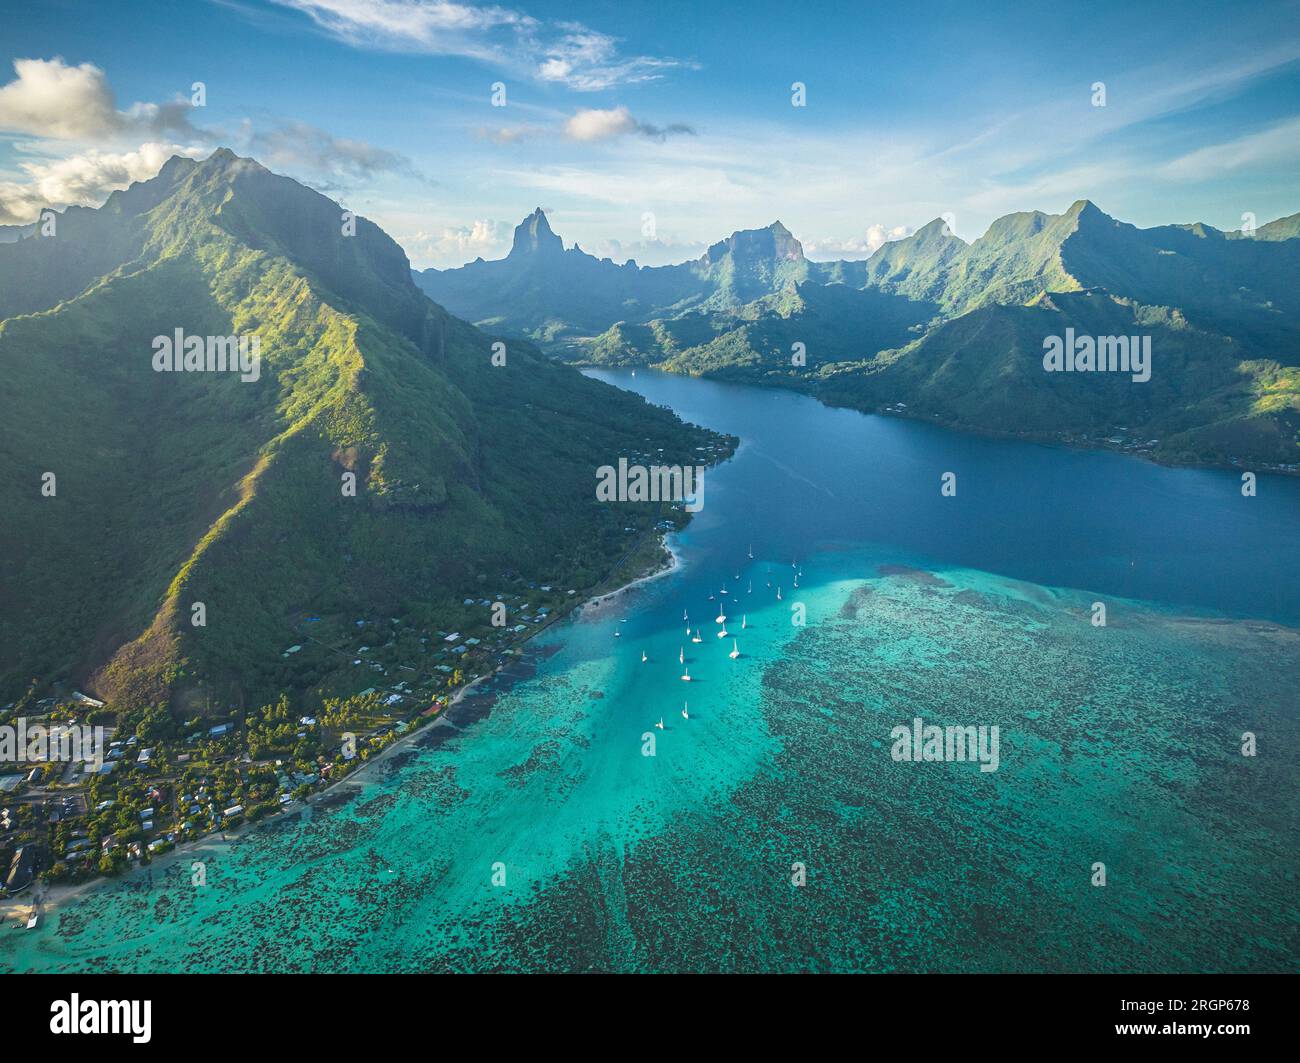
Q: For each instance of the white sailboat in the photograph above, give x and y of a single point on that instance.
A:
(751, 587)
(688, 629)
(681, 655)
(743, 622)
(778, 594)
(618, 634)
(684, 616)
(644, 658)
(660, 724)
(751, 551)
(685, 715)
(724, 591)
(696, 636)
(686, 676)
(723, 633)
(735, 650)
(721, 618)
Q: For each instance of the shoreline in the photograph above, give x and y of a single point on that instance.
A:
(1064, 440)
(673, 563)
(51, 899)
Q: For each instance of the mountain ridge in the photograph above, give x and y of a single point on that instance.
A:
(747, 307)
(230, 493)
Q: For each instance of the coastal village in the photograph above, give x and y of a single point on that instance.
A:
(156, 786)
(159, 782)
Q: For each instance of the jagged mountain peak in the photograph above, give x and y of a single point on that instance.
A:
(936, 230)
(533, 236)
(774, 242)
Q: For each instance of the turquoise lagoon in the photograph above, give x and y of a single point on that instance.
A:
(532, 833)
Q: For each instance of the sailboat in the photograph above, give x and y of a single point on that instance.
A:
(721, 618)
(686, 676)
(724, 591)
(751, 551)
(778, 594)
(735, 650)
(684, 616)
(723, 633)
(618, 634)
(688, 629)
(644, 658)
(685, 715)
(796, 581)
(660, 724)
(743, 623)
(751, 587)
(681, 655)
(696, 636)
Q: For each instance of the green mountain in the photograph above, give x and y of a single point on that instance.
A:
(1239, 286)
(828, 322)
(1205, 400)
(955, 331)
(176, 488)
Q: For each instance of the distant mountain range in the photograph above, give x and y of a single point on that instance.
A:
(947, 330)
(132, 494)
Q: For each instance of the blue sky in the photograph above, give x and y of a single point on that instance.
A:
(649, 130)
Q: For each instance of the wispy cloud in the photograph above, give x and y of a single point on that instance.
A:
(297, 147)
(1278, 145)
(566, 53)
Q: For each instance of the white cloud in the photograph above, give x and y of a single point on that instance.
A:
(48, 98)
(855, 247)
(76, 105)
(595, 124)
(455, 245)
(564, 52)
(84, 179)
(659, 252)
